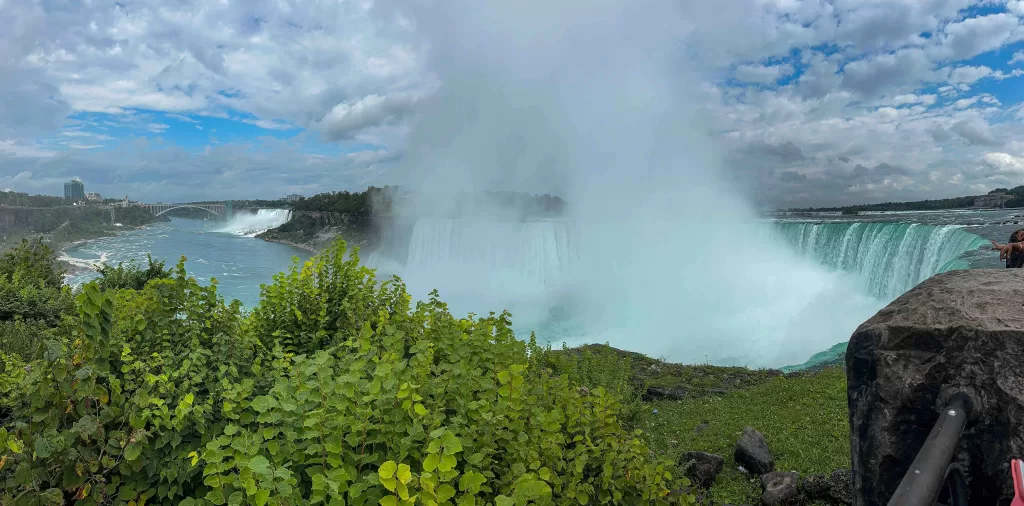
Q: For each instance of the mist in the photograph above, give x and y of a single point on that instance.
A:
(595, 102)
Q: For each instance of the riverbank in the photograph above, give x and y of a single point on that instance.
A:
(304, 247)
(703, 408)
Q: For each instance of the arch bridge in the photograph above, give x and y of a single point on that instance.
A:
(219, 210)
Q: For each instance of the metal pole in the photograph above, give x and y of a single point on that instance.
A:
(923, 481)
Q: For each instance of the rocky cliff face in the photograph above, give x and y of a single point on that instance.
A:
(958, 331)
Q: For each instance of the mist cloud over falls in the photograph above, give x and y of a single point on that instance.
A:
(593, 101)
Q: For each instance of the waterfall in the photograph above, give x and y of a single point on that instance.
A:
(249, 224)
(888, 258)
(757, 304)
(535, 253)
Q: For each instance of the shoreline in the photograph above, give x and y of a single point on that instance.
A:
(304, 247)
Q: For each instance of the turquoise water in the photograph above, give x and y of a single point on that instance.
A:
(214, 250)
(534, 270)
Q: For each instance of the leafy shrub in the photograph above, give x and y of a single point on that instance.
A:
(597, 366)
(336, 390)
(131, 276)
(33, 298)
(31, 262)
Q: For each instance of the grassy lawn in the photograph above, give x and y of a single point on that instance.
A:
(803, 418)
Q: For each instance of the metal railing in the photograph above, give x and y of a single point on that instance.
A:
(930, 475)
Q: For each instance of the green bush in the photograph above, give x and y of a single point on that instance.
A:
(336, 390)
(131, 276)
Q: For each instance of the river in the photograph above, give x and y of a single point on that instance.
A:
(559, 279)
(225, 251)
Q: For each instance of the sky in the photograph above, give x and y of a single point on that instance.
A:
(808, 103)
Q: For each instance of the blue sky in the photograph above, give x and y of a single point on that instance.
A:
(806, 102)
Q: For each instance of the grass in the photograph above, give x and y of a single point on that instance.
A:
(803, 418)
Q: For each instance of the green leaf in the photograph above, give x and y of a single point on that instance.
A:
(420, 410)
(52, 496)
(404, 473)
(447, 463)
(260, 497)
(390, 500)
(430, 463)
(503, 377)
(445, 492)
(263, 403)
(387, 469)
(132, 451)
(260, 464)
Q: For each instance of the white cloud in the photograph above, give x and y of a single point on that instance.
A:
(977, 35)
(882, 97)
(1004, 163)
(268, 124)
(763, 74)
(346, 119)
(968, 74)
(182, 118)
(910, 99)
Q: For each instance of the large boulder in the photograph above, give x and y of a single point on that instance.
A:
(702, 468)
(752, 452)
(958, 331)
(780, 489)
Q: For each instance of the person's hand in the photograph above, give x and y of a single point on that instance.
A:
(1003, 249)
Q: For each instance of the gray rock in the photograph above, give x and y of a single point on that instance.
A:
(666, 393)
(780, 488)
(752, 452)
(958, 331)
(702, 468)
(834, 488)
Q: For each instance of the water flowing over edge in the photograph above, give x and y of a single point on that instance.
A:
(542, 271)
(250, 224)
(888, 258)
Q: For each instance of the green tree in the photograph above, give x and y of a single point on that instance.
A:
(131, 276)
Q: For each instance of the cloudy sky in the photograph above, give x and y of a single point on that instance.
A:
(809, 102)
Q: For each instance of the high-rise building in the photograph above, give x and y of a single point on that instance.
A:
(93, 196)
(74, 190)
(294, 197)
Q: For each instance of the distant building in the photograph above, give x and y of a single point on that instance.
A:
(74, 190)
(992, 200)
(93, 196)
(294, 197)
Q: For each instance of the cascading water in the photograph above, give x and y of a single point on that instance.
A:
(536, 252)
(888, 258)
(556, 277)
(250, 224)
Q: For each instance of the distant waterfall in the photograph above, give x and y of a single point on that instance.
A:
(889, 258)
(249, 224)
(533, 252)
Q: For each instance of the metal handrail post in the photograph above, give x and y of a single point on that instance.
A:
(923, 481)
